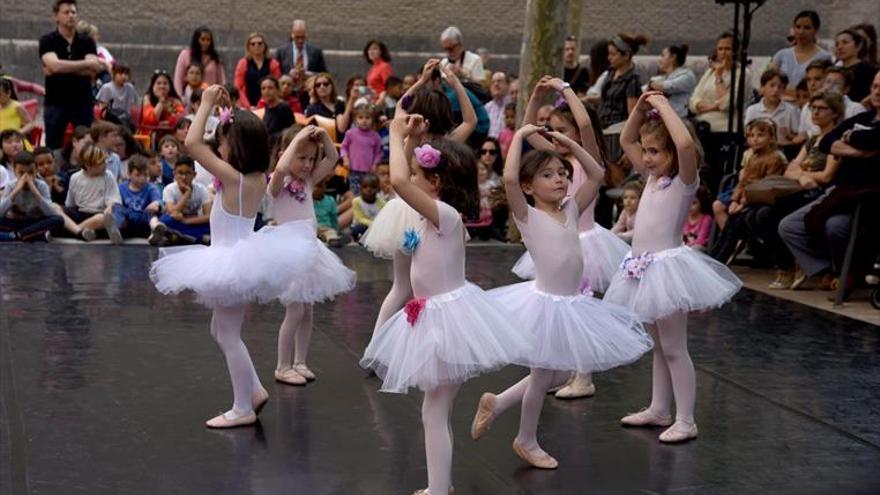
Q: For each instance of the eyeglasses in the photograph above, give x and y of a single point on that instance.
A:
(488, 152)
(256, 43)
(819, 108)
(321, 84)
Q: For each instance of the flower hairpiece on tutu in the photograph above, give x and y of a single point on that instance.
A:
(226, 115)
(653, 114)
(297, 189)
(410, 241)
(216, 183)
(413, 308)
(634, 267)
(663, 183)
(427, 156)
(586, 288)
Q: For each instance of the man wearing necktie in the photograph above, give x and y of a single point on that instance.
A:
(298, 58)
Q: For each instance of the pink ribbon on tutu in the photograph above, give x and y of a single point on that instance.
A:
(413, 308)
(634, 267)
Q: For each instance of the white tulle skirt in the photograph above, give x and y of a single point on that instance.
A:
(385, 235)
(326, 277)
(602, 252)
(257, 268)
(457, 335)
(578, 332)
(679, 279)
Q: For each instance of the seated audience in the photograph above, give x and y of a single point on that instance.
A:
(136, 215)
(366, 206)
(91, 195)
(187, 206)
(626, 221)
(26, 211)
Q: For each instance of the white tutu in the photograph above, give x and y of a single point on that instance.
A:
(326, 277)
(602, 252)
(256, 268)
(578, 332)
(457, 335)
(678, 279)
(385, 235)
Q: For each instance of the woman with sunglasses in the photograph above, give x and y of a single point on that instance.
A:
(326, 103)
(201, 50)
(252, 68)
(161, 106)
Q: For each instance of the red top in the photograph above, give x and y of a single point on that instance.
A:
(377, 75)
(241, 69)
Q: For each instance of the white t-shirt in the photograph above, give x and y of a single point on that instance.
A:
(785, 115)
(199, 196)
(471, 65)
(92, 194)
(4, 176)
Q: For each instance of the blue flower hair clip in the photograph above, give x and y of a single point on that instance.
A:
(410, 241)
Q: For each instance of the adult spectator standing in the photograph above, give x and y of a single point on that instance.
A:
(252, 68)
(500, 92)
(70, 61)
(377, 55)
(574, 73)
(794, 60)
(297, 57)
(622, 84)
(467, 65)
(201, 51)
(675, 80)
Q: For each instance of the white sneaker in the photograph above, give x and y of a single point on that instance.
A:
(112, 230)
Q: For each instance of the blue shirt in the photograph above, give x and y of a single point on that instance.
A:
(139, 200)
(482, 115)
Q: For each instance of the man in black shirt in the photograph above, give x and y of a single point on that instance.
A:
(575, 74)
(70, 61)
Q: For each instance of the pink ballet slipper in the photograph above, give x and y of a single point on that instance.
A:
(290, 377)
(484, 417)
(540, 461)
(646, 417)
(680, 432)
(259, 400)
(304, 370)
(222, 422)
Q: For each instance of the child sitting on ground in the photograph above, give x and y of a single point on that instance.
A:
(45, 162)
(91, 194)
(698, 224)
(187, 206)
(141, 201)
(361, 147)
(11, 142)
(169, 150)
(104, 135)
(366, 206)
(325, 213)
(26, 211)
(626, 222)
(383, 172)
(154, 169)
(763, 158)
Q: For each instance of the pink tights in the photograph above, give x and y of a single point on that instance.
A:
(401, 289)
(294, 335)
(436, 409)
(530, 392)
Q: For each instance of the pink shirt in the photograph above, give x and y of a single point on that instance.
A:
(438, 261)
(697, 233)
(662, 211)
(212, 72)
(363, 149)
(555, 249)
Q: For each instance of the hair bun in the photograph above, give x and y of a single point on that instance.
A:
(684, 48)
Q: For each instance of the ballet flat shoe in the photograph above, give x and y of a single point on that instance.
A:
(304, 370)
(645, 418)
(220, 422)
(552, 391)
(679, 435)
(484, 417)
(259, 400)
(578, 388)
(290, 377)
(424, 491)
(545, 461)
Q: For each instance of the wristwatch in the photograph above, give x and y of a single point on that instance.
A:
(565, 86)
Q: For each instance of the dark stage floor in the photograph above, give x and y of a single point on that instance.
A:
(106, 385)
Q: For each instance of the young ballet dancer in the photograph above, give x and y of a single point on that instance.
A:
(309, 157)
(383, 238)
(602, 250)
(240, 265)
(662, 279)
(568, 330)
(451, 330)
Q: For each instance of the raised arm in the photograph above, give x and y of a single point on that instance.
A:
(629, 136)
(681, 137)
(416, 198)
(195, 141)
(595, 174)
(536, 140)
(581, 117)
(326, 148)
(423, 79)
(516, 199)
(468, 115)
(294, 150)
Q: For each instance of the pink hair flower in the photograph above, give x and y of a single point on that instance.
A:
(413, 308)
(427, 156)
(226, 115)
(653, 114)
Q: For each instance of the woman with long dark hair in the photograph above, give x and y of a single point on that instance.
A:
(793, 61)
(377, 55)
(201, 50)
(161, 106)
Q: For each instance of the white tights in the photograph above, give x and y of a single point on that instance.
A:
(401, 289)
(530, 391)
(294, 335)
(674, 376)
(226, 329)
(436, 409)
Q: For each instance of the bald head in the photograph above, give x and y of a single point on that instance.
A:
(298, 32)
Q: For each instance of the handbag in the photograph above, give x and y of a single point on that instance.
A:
(767, 190)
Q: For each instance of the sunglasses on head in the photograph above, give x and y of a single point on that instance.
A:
(160, 71)
(488, 152)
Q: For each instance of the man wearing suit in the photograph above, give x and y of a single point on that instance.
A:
(298, 58)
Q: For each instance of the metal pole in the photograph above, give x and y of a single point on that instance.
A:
(730, 107)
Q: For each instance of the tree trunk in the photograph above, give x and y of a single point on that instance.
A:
(548, 23)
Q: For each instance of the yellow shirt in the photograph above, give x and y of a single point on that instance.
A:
(10, 118)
